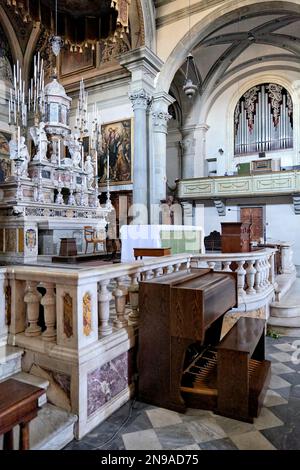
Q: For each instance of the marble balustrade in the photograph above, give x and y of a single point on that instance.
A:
(255, 272)
(58, 304)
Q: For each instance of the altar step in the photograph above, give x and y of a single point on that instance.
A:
(10, 361)
(285, 313)
(52, 429)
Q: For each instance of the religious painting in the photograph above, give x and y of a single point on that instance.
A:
(30, 238)
(75, 62)
(4, 144)
(116, 155)
(87, 314)
(68, 315)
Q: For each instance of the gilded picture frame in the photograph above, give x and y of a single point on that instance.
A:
(117, 140)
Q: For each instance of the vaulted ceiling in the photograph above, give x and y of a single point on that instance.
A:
(237, 44)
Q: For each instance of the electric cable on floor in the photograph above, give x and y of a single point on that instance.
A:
(118, 430)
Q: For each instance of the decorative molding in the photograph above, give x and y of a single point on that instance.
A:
(87, 314)
(296, 202)
(140, 99)
(220, 206)
(160, 121)
(271, 184)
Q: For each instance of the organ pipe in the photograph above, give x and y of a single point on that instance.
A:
(272, 128)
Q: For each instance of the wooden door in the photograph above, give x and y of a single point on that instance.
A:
(254, 216)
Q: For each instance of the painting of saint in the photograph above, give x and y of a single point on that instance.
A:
(116, 153)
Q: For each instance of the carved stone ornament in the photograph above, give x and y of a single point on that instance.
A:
(87, 314)
(160, 121)
(140, 99)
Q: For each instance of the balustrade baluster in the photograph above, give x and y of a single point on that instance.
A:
(134, 298)
(119, 294)
(148, 275)
(49, 303)
(258, 276)
(226, 266)
(32, 299)
(211, 264)
(241, 273)
(104, 297)
(177, 267)
(251, 271)
(272, 269)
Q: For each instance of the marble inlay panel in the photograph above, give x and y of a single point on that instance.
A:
(68, 315)
(106, 382)
(87, 314)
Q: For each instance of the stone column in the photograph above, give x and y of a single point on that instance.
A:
(193, 150)
(188, 152)
(140, 101)
(158, 163)
(200, 158)
(187, 213)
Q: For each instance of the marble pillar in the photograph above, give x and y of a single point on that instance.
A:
(140, 100)
(158, 160)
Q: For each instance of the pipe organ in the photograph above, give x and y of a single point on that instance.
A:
(263, 120)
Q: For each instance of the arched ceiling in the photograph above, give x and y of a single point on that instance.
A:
(240, 43)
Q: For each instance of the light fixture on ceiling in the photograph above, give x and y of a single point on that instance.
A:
(189, 87)
(55, 40)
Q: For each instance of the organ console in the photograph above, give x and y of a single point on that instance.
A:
(181, 360)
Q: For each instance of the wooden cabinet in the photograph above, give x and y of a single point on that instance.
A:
(236, 237)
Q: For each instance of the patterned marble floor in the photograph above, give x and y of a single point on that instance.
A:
(137, 426)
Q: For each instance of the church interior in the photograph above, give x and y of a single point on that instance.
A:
(149, 225)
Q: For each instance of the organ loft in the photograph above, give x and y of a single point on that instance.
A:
(149, 227)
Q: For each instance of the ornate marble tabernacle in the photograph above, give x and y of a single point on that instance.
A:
(51, 190)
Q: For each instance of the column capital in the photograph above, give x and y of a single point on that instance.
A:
(160, 121)
(140, 99)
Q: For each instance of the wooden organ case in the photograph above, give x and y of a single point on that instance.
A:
(181, 360)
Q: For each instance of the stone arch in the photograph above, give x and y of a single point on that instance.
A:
(212, 21)
(11, 37)
(148, 10)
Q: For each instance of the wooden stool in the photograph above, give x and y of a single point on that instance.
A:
(18, 405)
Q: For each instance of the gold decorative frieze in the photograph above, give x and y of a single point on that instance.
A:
(87, 314)
(68, 315)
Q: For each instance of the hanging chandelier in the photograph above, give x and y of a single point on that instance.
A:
(77, 25)
(189, 87)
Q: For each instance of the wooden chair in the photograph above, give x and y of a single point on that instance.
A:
(90, 236)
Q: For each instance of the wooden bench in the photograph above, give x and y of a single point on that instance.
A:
(18, 406)
(140, 252)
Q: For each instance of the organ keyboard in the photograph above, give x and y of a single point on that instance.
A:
(182, 361)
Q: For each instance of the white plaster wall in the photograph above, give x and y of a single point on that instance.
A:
(282, 224)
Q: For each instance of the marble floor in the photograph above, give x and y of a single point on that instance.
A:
(137, 426)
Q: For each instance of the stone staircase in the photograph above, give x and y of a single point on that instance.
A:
(53, 428)
(285, 311)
